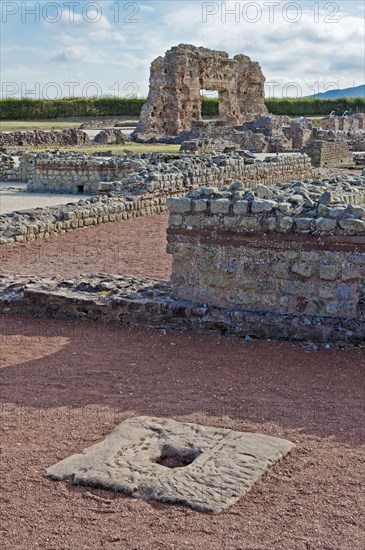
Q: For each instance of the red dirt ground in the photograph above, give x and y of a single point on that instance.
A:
(133, 247)
(64, 386)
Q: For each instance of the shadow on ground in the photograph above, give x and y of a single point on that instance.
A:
(212, 379)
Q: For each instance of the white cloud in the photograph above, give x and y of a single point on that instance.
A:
(305, 52)
(107, 36)
(89, 18)
(78, 54)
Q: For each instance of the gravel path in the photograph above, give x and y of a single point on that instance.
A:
(64, 386)
(132, 247)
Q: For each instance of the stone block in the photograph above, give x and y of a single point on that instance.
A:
(326, 224)
(351, 273)
(220, 206)
(352, 225)
(258, 206)
(302, 269)
(240, 207)
(249, 223)
(175, 220)
(177, 205)
(286, 223)
(329, 272)
(200, 205)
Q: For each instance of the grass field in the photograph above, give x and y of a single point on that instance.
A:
(54, 124)
(136, 147)
(64, 123)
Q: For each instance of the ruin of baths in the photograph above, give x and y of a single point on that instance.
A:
(263, 242)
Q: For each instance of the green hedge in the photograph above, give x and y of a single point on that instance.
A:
(24, 109)
(315, 107)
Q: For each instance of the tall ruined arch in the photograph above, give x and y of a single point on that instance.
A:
(176, 80)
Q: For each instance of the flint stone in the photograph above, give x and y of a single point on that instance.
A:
(354, 225)
(326, 224)
(222, 465)
(220, 206)
(262, 205)
(178, 205)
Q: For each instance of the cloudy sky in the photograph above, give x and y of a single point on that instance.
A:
(57, 49)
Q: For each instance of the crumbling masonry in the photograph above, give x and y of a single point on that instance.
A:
(176, 80)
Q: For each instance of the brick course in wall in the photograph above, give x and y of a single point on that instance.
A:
(253, 256)
(329, 153)
(54, 173)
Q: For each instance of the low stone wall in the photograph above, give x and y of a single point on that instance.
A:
(75, 172)
(146, 302)
(329, 153)
(9, 169)
(20, 227)
(200, 146)
(160, 172)
(344, 123)
(101, 124)
(16, 169)
(44, 138)
(276, 134)
(287, 252)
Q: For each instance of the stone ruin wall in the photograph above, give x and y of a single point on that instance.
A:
(72, 137)
(263, 266)
(353, 122)
(176, 80)
(42, 223)
(329, 153)
(135, 199)
(44, 138)
(159, 172)
(279, 263)
(10, 169)
(272, 134)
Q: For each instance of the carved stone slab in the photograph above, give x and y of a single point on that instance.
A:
(205, 468)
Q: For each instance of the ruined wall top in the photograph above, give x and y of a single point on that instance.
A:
(176, 80)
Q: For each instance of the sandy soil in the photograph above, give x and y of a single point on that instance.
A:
(64, 386)
(133, 247)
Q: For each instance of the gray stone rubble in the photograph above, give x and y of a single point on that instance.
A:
(333, 205)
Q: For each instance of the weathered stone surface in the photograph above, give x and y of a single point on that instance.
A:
(111, 136)
(262, 205)
(352, 225)
(147, 302)
(135, 173)
(205, 468)
(220, 206)
(39, 138)
(325, 224)
(176, 80)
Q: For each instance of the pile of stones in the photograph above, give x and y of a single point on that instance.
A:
(333, 205)
(162, 171)
(44, 138)
(111, 136)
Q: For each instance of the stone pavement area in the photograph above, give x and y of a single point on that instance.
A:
(207, 469)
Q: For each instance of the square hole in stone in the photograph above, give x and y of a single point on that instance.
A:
(171, 457)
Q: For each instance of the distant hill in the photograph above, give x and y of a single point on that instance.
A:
(357, 91)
